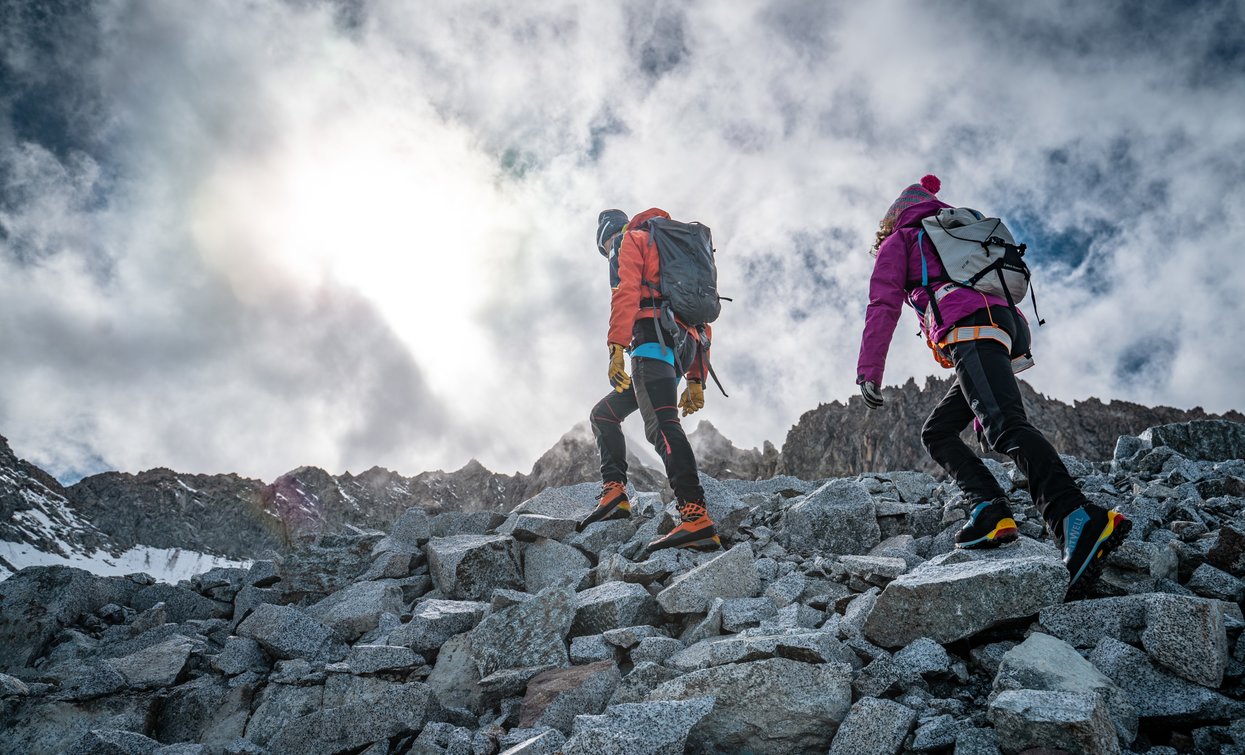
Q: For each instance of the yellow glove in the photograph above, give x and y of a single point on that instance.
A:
(618, 369)
(693, 398)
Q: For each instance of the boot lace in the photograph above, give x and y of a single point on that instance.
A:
(690, 511)
(609, 488)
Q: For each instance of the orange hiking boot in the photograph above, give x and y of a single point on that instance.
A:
(613, 505)
(696, 531)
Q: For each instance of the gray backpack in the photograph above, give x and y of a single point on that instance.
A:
(687, 294)
(976, 252)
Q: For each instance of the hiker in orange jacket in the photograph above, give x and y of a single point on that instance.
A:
(635, 277)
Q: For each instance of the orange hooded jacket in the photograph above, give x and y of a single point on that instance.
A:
(639, 278)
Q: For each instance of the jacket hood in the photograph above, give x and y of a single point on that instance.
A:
(647, 215)
(918, 212)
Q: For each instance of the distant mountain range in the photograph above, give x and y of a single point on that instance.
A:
(180, 520)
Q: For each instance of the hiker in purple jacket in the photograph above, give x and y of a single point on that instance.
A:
(986, 341)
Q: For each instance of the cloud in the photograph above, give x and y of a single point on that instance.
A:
(249, 236)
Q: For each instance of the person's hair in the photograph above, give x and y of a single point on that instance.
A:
(885, 228)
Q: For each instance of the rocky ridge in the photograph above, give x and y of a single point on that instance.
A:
(838, 618)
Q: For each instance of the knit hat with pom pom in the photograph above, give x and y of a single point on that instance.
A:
(914, 194)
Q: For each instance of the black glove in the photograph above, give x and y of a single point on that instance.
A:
(873, 396)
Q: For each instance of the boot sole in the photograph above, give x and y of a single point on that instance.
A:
(1097, 558)
(698, 543)
(618, 512)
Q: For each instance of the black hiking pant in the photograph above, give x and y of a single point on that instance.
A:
(652, 391)
(986, 388)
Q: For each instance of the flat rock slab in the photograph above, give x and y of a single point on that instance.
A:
(434, 621)
(807, 646)
(1075, 722)
(548, 562)
(287, 633)
(613, 605)
(158, 666)
(1186, 636)
(953, 601)
(356, 610)
(401, 709)
(769, 706)
(528, 634)
(471, 567)
(657, 728)
(730, 575)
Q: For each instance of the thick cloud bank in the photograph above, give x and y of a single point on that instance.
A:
(246, 236)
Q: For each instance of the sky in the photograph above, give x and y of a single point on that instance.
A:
(249, 235)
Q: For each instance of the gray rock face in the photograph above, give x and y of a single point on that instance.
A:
(612, 605)
(39, 601)
(356, 610)
(180, 604)
(548, 742)
(638, 728)
(399, 709)
(1045, 663)
(1209, 440)
(873, 727)
(1076, 722)
(1187, 636)
(435, 621)
(808, 646)
(113, 742)
(471, 567)
(158, 666)
(1084, 622)
(286, 633)
(372, 659)
(413, 527)
(549, 562)
(1210, 582)
(769, 706)
(729, 575)
(840, 517)
(953, 601)
(1156, 693)
(525, 635)
(206, 710)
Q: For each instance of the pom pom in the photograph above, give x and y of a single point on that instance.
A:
(931, 183)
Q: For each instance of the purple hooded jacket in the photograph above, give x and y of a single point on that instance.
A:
(896, 279)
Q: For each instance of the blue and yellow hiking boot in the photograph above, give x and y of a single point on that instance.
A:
(612, 504)
(990, 524)
(695, 531)
(1086, 536)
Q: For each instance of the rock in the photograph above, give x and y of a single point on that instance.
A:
(874, 569)
(278, 705)
(922, 656)
(840, 517)
(11, 686)
(547, 563)
(1210, 582)
(38, 602)
(786, 590)
(1187, 636)
(549, 742)
(1084, 622)
(531, 527)
(455, 679)
(373, 659)
(725, 507)
(525, 635)
(1156, 693)
(873, 727)
(628, 637)
(400, 709)
(92, 681)
(435, 621)
(638, 728)
(555, 697)
(655, 649)
(728, 575)
(807, 646)
(206, 710)
(50, 726)
(180, 604)
(1228, 551)
(769, 706)
(356, 610)
(938, 732)
(1045, 663)
(113, 742)
(413, 527)
(643, 679)
(439, 738)
(324, 566)
(1076, 722)
(287, 633)
(159, 666)
(470, 567)
(954, 601)
(741, 613)
(241, 654)
(1208, 440)
(591, 648)
(611, 606)
(977, 742)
